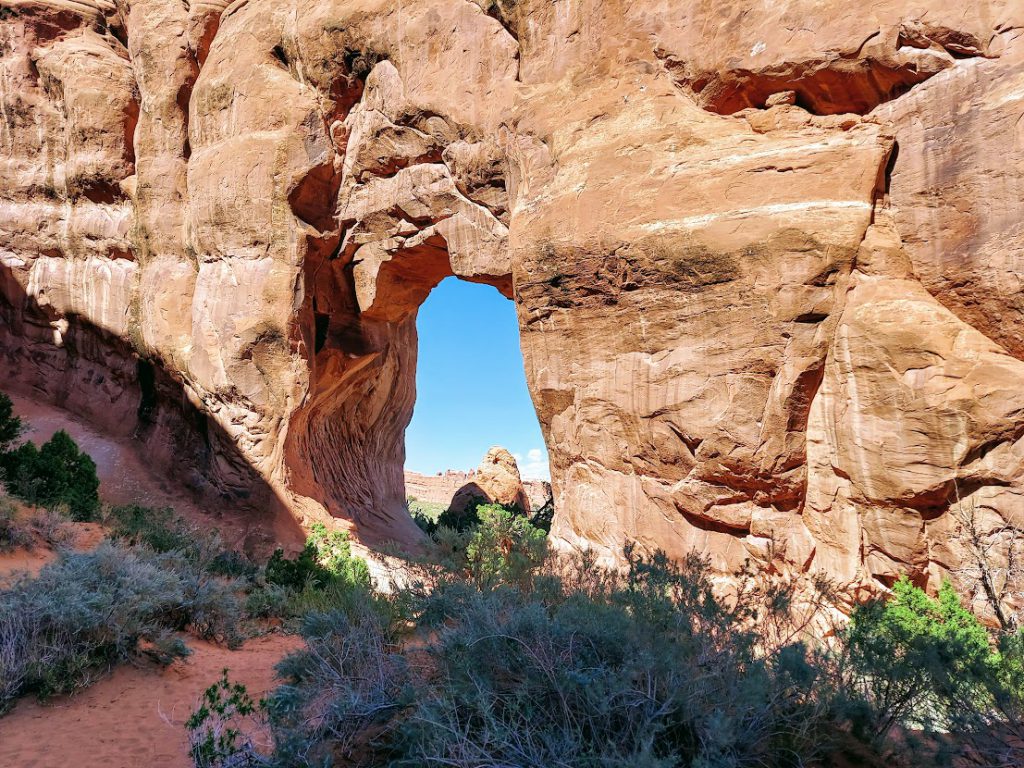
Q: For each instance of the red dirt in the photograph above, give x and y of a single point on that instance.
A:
(23, 561)
(84, 537)
(135, 718)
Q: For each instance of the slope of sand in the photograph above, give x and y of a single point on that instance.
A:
(125, 478)
(135, 717)
(83, 537)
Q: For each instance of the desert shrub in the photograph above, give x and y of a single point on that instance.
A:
(56, 473)
(52, 526)
(163, 530)
(911, 656)
(215, 727)
(646, 670)
(14, 533)
(501, 546)
(327, 558)
(88, 611)
(265, 601)
(993, 734)
(917, 663)
(504, 547)
(425, 513)
(160, 529)
(469, 517)
(11, 427)
(348, 680)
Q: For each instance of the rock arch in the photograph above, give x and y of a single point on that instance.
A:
(749, 327)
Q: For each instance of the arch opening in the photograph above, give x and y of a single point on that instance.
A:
(345, 446)
(471, 395)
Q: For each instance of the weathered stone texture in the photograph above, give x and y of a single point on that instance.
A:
(765, 253)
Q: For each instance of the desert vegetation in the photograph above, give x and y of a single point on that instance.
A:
(154, 581)
(494, 650)
(503, 653)
(57, 473)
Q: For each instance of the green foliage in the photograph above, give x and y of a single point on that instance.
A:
(326, 559)
(88, 611)
(504, 548)
(350, 662)
(57, 473)
(216, 738)
(11, 427)
(163, 530)
(425, 513)
(159, 529)
(577, 668)
(912, 657)
(469, 517)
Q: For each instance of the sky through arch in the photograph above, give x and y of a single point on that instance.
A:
(470, 384)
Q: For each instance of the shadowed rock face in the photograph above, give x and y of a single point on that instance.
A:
(764, 252)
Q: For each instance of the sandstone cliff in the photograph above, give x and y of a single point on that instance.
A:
(765, 253)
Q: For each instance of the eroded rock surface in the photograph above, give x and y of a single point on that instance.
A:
(495, 481)
(765, 253)
(441, 488)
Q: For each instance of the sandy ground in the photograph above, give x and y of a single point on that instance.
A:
(124, 476)
(84, 537)
(135, 718)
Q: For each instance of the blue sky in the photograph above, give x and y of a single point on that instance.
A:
(470, 385)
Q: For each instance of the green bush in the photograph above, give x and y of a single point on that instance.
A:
(327, 558)
(163, 530)
(216, 739)
(57, 473)
(545, 661)
(88, 611)
(927, 664)
(11, 427)
(160, 529)
(503, 548)
(580, 669)
(425, 513)
(469, 517)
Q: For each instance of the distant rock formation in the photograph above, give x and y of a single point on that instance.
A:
(494, 480)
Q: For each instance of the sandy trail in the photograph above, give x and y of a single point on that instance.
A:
(135, 718)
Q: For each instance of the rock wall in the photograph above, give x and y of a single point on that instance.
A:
(765, 253)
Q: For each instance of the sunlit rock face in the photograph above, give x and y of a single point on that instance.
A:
(765, 253)
(496, 481)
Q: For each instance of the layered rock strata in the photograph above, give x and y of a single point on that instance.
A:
(764, 253)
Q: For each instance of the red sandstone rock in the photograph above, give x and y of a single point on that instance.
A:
(764, 254)
(495, 481)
